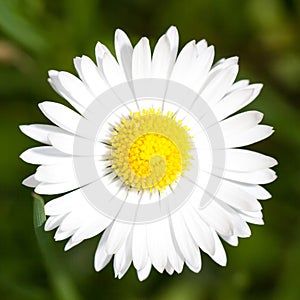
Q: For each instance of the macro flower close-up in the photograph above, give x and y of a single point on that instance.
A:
(148, 153)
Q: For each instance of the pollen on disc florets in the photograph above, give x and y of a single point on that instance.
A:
(150, 150)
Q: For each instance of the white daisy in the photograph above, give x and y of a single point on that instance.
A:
(152, 156)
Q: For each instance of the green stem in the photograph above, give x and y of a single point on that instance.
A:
(62, 284)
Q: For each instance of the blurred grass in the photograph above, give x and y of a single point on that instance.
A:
(38, 35)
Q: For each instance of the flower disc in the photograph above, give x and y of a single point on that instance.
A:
(150, 150)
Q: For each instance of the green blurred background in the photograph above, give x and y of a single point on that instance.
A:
(37, 35)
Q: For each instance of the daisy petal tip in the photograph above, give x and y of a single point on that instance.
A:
(202, 44)
(98, 265)
(99, 46)
(172, 30)
(42, 105)
(23, 128)
(222, 261)
(119, 33)
(23, 156)
(52, 73)
(235, 59)
(224, 264)
(37, 190)
(67, 247)
(46, 228)
(258, 87)
(77, 59)
(24, 182)
(30, 181)
(142, 276)
(173, 35)
(259, 116)
(71, 243)
(48, 225)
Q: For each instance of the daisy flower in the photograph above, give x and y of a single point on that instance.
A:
(150, 155)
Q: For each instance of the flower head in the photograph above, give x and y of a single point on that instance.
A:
(151, 157)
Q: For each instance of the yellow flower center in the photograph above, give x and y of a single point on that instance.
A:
(150, 150)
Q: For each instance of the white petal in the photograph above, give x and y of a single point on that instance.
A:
(63, 172)
(217, 218)
(90, 75)
(256, 190)
(123, 258)
(145, 272)
(141, 60)
(112, 71)
(71, 243)
(55, 173)
(173, 37)
(82, 223)
(69, 144)
(201, 47)
(101, 258)
(231, 240)
(175, 258)
(57, 86)
(161, 59)
(45, 188)
(164, 54)
(75, 88)
(236, 197)
(252, 217)
(100, 50)
(235, 101)
(45, 155)
(65, 204)
(199, 230)
(53, 222)
(223, 64)
(118, 235)
(65, 143)
(184, 62)
(202, 66)
(139, 246)
(185, 243)
(156, 235)
(217, 86)
(262, 176)
(219, 255)
(40, 132)
(240, 227)
(62, 235)
(92, 227)
(60, 115)
(81, 218)
(242, 160)
(169, 269)
(30, 181)
(240, 122)
(249, 137)
(124, 51)
(239, 84)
